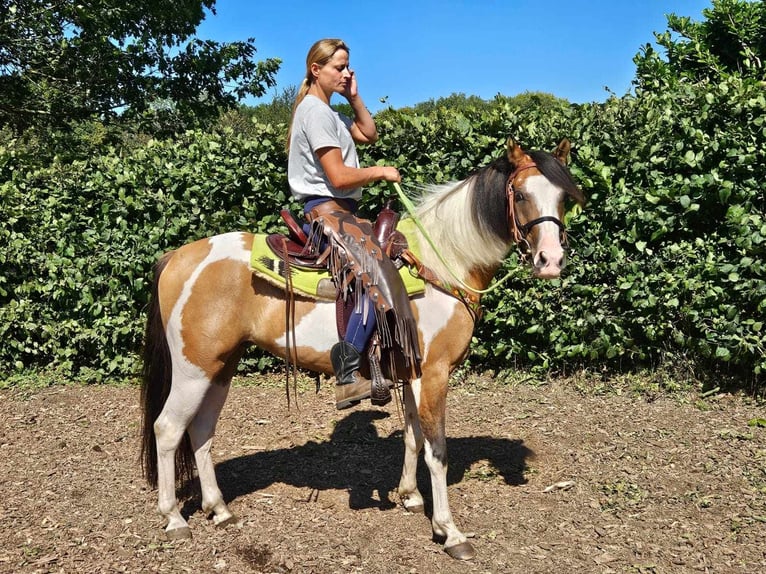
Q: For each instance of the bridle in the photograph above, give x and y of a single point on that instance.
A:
(519, 231)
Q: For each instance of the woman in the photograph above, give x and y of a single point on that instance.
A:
(323, 171)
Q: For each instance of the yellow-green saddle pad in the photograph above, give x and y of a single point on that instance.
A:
(269, 266)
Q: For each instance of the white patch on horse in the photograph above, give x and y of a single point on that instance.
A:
(226, 246)
(416, 385)
(434, 312)
(547, 198)
(548, 253)
(316, 329)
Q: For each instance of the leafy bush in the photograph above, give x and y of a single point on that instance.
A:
(79, 240)
(666, 262)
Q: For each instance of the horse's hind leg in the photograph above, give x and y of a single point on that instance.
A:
(413, 443)
(181, 407)
(201, 431)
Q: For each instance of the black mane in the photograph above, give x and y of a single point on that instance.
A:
(555, 172)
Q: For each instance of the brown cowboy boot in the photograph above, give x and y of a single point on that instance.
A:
(350, 387)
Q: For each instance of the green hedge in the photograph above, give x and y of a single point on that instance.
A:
(79, 240)
(666, 261)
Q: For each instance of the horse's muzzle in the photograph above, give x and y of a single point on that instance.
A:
(548, 263)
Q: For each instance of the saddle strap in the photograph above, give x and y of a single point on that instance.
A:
(473, 300)
(291, 358)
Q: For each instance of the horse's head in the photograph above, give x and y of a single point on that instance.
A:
(537, 188)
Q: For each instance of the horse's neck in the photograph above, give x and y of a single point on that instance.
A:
(465, 252)
(479, 278)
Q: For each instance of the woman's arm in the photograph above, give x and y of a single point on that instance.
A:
(342, 176)
(363, 130)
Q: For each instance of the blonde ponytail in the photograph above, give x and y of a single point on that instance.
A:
(302, 91)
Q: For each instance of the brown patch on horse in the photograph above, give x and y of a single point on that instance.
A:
(180, 266)
(213, 341)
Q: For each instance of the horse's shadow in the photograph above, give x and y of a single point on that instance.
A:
(360, 461)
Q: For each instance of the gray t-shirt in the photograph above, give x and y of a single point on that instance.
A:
(315, 126)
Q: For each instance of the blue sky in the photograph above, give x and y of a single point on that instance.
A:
(412, 51)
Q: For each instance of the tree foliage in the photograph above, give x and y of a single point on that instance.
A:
(277, 112)
(730, 41)
(70, 60)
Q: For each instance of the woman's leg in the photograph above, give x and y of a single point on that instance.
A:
(360, 327)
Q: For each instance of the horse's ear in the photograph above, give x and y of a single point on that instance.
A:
(561, 152)
(516, 155)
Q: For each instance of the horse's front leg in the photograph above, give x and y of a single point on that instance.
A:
(431, 401)
(413, 443)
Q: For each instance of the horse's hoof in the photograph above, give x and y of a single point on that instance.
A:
(462, 551)
(183, 533)
(416, 509)
(226, 522)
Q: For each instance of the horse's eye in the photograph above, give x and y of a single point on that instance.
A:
(519, 196)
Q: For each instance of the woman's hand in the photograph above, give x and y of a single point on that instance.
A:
(352, 89)
(391, 174)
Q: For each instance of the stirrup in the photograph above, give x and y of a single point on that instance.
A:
(380, 388)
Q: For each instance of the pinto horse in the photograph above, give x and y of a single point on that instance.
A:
(207, 307)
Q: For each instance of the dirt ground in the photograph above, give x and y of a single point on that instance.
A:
(647, 484)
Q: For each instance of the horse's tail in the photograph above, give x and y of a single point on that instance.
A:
(155, 388)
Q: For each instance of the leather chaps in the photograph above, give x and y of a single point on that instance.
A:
(361, 269)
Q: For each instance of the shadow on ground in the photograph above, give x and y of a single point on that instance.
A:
(360, 461)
